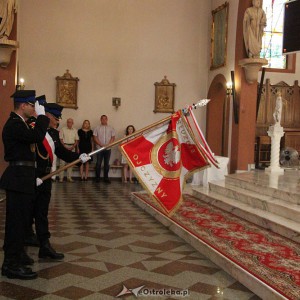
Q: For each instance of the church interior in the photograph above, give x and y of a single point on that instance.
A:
(236, 233)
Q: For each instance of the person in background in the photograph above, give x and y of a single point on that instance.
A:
(85, 145)
(69, 138)
(126, 168)
(103, 136)
(18, 180)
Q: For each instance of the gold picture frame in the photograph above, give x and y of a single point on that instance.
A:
(219, 31)
(66, 90)
(164, 96)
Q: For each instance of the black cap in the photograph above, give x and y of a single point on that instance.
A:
(54, 109)
(42, 99)
(24, 96)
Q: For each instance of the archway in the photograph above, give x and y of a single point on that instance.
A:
(217, 116)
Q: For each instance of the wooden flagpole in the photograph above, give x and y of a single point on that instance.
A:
(138, 132)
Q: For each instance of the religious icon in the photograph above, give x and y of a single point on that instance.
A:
(219, 28)
(66, 90)
(164, 96)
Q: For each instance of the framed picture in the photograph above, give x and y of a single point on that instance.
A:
(164, 96)
(219, 31)
(66, 90)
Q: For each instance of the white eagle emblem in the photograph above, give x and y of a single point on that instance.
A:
(172, 154)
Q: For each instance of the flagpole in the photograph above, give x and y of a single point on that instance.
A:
(138, 132)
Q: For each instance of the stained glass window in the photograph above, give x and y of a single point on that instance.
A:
(273, 34)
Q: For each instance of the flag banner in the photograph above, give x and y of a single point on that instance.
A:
(164, 158)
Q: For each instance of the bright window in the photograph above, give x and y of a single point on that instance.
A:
(273, 34)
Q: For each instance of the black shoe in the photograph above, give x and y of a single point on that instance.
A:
(18, 272)
(46, 251)
(25, 259)
(106, 180)
(32, 241)
(5, 267)
(97, 180)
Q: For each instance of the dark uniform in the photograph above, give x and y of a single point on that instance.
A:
(45, 150)
(19, 182)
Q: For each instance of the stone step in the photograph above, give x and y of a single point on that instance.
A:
(260, 201)
(283, 187)
(263, 218)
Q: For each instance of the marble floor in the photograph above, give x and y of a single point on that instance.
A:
(112, 246)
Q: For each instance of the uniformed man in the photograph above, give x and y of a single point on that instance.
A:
(19, 179)
(45, 152)
(30, 237)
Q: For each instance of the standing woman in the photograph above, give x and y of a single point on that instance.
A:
(85, 145)
(126, 168)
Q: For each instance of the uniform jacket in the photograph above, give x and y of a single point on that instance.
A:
(44, 162)
(19, 145)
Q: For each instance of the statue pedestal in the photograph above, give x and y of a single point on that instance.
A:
(252, 67)
(276, 133)
(6, 49)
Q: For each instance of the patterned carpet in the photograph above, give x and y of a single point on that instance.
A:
(109, 244)
(273, 259)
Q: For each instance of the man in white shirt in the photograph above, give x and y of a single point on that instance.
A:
(69, 138)
(103, 136)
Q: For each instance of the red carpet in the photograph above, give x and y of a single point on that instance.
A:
(273, 259)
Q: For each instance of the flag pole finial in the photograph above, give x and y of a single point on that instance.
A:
(200, 103)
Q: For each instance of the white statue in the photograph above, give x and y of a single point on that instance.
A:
(255, 21)
(278, 109)
(8, 8)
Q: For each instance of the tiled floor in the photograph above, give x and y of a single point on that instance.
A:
(109, 243)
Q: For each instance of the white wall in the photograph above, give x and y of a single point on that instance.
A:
(117, 49)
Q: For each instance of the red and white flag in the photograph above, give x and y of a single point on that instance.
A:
(164, 158)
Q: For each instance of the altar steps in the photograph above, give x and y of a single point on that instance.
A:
(275, 214)
(267, 200)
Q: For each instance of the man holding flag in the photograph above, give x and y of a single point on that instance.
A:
(45, 152)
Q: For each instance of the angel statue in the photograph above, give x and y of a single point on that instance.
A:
(8, 8)
(255, 21)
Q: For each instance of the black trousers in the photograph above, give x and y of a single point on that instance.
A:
(18, 208)
(100, 156)
(40, 211)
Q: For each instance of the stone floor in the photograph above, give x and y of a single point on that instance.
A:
(110, 246)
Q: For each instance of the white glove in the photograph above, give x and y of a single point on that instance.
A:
(39, 181)
(84, 158)
(39, 109)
